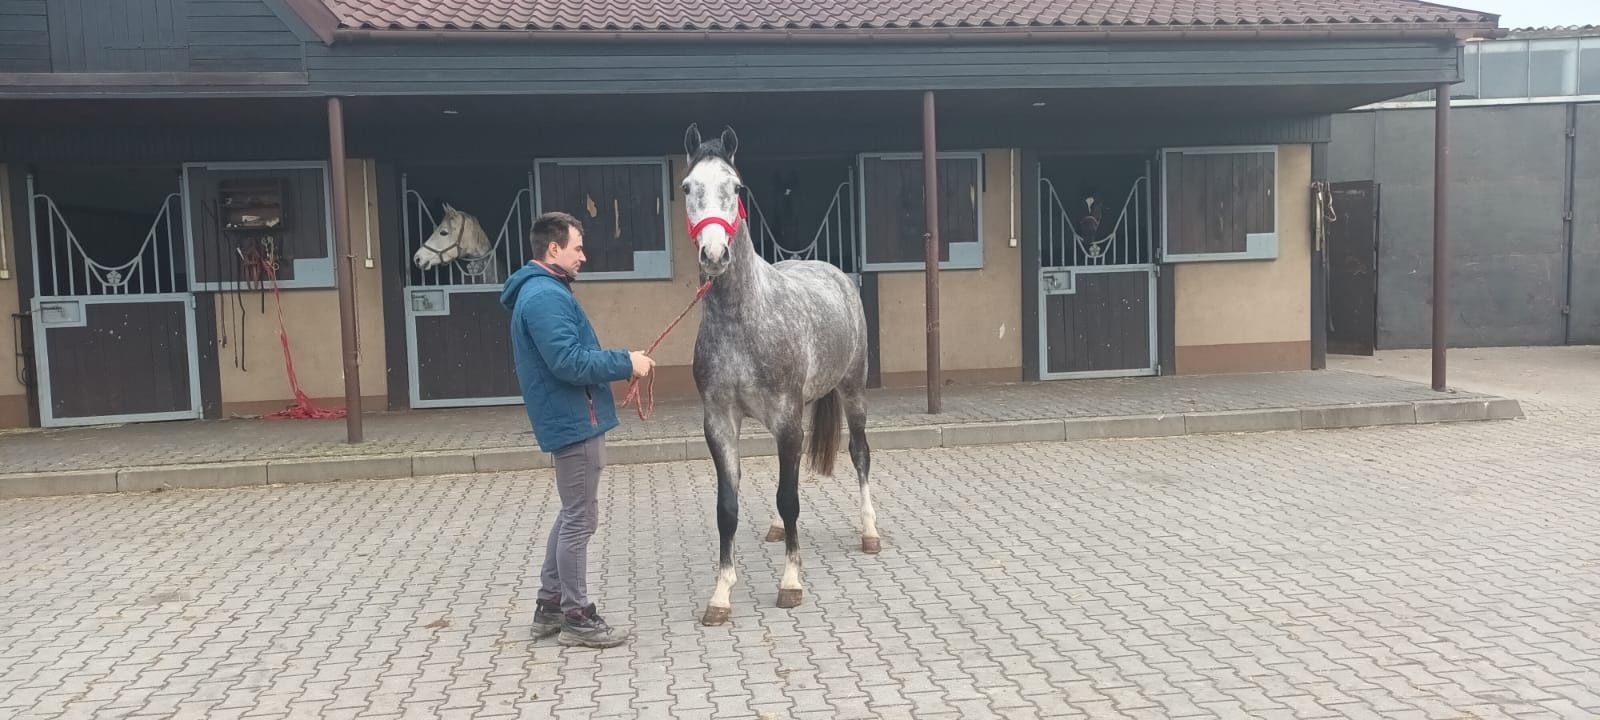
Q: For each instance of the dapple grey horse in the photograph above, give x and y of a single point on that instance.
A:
(774, 340)
(460, 237)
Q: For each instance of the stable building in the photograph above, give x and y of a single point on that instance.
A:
(1124, 188)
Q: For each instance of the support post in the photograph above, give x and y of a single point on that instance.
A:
(343, 266)
(1441, 185)
(930, 270)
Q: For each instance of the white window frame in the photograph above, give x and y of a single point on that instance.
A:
(1258, 246)
(647, 264)
(309, 273)
(963, 255)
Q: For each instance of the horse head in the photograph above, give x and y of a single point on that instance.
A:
(458, 236)
(711, 196)
(1089, 222)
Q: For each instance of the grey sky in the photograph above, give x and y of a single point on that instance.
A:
(1536, 13)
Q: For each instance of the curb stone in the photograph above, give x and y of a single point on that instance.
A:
(487, 460)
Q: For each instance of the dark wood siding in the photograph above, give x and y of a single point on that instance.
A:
(24, 36)
(1104, 325)
(143, 146)
(145, 36)
(241, 36)
(620, 205)
(1215, 200)
(303, 234)
(894, 207)
(128, 359)
(119, 35)
(615, 68)
(466, 354)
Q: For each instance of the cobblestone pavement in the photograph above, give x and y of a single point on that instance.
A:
(1443, 571)
(497, 427)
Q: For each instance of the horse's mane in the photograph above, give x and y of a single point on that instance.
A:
(712, 148)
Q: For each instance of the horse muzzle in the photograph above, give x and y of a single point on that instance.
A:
(715, 261)
(427, 259)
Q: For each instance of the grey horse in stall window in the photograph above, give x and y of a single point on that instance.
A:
(775, 340)
(459, 237)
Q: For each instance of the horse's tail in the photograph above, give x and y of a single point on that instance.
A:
(824, 433)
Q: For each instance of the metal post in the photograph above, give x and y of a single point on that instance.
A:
(930, 272)
(343, 265)
(1441, 184)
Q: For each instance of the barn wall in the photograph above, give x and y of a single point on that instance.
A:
(1508, 264)
(13, 395)
(73, 36)
(311, 318)
(629, 314)
(1585, 318)
(1252, 316)
(605, 68)
(986, 302)
(24, 36)
(980, 311)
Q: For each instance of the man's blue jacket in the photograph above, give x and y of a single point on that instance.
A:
(565, 375)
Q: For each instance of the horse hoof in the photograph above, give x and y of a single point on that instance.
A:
(789, 597)
(775, 533)
(870, 546)
(715, 616)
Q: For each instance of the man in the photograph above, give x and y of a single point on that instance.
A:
(565, 378)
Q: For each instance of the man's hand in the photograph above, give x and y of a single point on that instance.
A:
(642, 363)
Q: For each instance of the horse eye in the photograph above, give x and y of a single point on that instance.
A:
(444, 232)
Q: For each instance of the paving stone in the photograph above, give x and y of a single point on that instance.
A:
(71, 482)
(1230, 421)
(1413, 570)
(373, 467)
(1124, 426)
(1347, 416)
(1003, 432)
(208, 475)
(442, 463)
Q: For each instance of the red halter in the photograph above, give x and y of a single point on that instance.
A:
(732, 228)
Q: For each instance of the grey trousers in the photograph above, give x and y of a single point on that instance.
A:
(566, 557)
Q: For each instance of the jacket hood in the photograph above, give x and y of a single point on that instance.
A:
(524, 274)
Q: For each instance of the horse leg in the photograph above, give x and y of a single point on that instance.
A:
(855, 412)
(775, 531)
(790, 435)
(722, 437)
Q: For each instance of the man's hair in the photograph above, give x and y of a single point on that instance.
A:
(551, 227)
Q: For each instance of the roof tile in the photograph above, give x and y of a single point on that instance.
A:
(855, 14)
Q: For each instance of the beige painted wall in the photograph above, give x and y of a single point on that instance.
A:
(311, 318)
(13, 395)
(1243, 316)
(980, 311)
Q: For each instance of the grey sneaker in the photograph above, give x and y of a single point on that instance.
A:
(546, 618)
(586, 628)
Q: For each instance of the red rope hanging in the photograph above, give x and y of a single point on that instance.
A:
(650, 389)
(303, 408)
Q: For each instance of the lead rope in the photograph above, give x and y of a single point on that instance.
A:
(650, 388)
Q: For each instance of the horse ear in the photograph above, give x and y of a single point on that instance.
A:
(448, 210)
(730, 141)
(691, 139)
